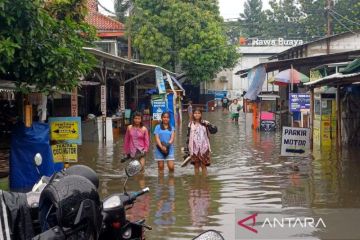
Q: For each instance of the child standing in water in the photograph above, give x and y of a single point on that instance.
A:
(164, 137)
(198, 142)
(234, 109)
(137, 140)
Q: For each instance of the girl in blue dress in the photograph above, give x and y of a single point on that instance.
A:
(164, 138)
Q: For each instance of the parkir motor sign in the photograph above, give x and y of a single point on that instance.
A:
(295, 141)
(65, 129)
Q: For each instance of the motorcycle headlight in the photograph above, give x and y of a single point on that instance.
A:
(112, 202)
(127, 234)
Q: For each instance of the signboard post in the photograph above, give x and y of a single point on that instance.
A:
(295, 142)
(74, 103)
(103, 100)
(122, 98)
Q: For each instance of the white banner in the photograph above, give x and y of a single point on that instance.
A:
(295, 142)
(103, 99)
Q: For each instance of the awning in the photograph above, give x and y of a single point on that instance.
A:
(335, 79)
(118, 64)
(309, 62)
(268, 97)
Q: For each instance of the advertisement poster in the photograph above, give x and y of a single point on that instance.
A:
(299, 101)
(160, 81)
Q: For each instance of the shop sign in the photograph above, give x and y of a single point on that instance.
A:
(64, 153)
(159, 106)
(103, 99)
(74, 103)
(295, 142)
(299, 101)
(315, 75)
(160, 81)
(273, 42)
(65, 129)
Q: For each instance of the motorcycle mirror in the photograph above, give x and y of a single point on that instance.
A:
(133, 168)
(211, 234)
(38, 159)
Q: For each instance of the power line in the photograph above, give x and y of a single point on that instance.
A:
(103, 7)
(357, 23)
(342, 24)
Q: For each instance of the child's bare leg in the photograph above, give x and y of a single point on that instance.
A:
(142, 162)
(204, 169)
(161, 166)
(196, 167)
(171, 165)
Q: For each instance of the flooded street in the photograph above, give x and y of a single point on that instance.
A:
(246, 172)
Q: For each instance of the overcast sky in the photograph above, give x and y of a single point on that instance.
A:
(228, 8)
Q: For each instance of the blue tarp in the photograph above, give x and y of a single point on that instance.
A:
(171, 109)
(256, 78)
(25, 143)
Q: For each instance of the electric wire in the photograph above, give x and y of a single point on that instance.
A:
(357, 23)
(342, 24)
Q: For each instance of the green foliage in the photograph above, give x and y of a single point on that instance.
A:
(121, 8)
(304, 19)
(42, 51)
(234, 31)
(283, 20)
(253, 18)
(174, 33)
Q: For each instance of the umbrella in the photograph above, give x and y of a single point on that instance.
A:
(290, 76)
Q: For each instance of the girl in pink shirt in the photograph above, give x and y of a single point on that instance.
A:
(137, 140)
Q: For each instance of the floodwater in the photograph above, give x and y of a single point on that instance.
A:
(246, 172)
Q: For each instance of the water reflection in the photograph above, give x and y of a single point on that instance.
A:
(246, 172)
(165, 201)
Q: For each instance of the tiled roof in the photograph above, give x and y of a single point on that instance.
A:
(101, 22)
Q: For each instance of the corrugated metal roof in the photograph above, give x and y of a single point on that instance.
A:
(337, 78)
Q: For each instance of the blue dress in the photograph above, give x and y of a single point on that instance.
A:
(164, 136)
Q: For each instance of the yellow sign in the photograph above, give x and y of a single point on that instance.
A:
(64, 152)
(64, 130)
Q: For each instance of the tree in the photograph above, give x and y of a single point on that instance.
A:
(41, 45)
(253, 18)
(234, 31)
(190, 34)
(121, 9)
(284, 20)
(346, 15)
(314, 21)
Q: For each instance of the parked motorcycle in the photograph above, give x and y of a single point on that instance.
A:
(67, 206)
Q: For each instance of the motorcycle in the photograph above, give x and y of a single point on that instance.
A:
(67, 206)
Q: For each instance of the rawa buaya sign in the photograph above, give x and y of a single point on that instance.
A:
(274, 42)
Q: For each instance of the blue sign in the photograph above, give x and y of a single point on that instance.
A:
(218, 94)
(159, 106)
(160, 81)
(299, 101)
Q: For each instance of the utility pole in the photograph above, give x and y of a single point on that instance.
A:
(329, 18)
(329, 24)
(129, 31)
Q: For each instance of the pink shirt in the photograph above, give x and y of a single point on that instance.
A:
(136, 139)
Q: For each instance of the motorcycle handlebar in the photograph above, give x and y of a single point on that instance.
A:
(135, 195)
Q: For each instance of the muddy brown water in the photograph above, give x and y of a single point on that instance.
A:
(246, 172)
